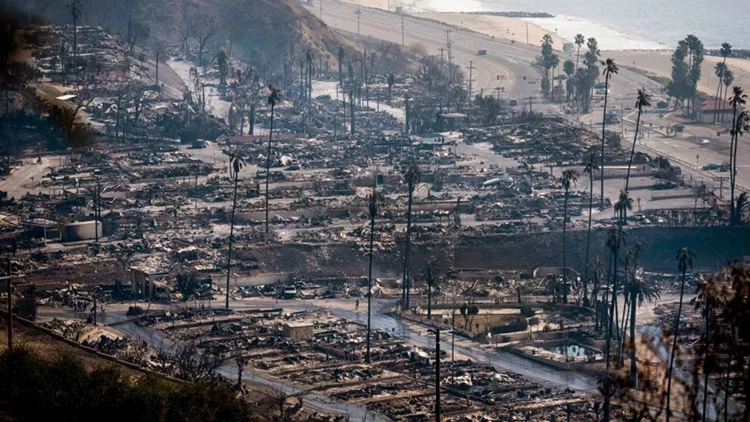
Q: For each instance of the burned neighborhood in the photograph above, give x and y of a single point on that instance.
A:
(366, 210)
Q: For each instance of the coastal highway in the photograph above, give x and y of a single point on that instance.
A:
(511, 62)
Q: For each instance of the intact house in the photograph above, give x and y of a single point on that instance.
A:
(722, 109)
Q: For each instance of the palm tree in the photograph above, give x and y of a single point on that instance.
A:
(726, 50)
(719, 70)
(610, 68)
(684, 261)
(554, 61)
(631, 257)
(640, 291)
(622, 206)
(273, 98)
(376, 202)
(728, 81)
(431, 277)
(579, 40)
(615, 240)
(570, 70)
(707, 294)
(569, 177)
(589, 167)
(642, 101)
(412, 175)
(236, 163)
(741, 125)
(738, 100)
(695, 49)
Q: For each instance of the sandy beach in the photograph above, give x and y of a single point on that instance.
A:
(659, 62)
(653, 61)
(497, 26)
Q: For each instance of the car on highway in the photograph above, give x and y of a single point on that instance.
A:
(711, 167)
(482, 53)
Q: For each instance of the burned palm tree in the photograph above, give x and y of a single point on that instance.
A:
(376, 202)
(569, 177)
(589, 167)
(642, 101)
(274, 98)
(622, 206)
(610, 68)
(615, 241)
(236, 163)
(639, 291)
(684, 261)
(412, 175)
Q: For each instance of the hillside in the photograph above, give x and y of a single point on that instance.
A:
(257, 31)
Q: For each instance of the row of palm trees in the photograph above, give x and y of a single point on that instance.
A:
(236, 164)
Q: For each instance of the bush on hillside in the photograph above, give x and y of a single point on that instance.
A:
(38, 389)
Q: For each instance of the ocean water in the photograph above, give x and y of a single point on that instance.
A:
(624, 25)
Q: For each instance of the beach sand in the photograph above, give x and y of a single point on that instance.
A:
(656, 62)
(498, 26)
(659, 62)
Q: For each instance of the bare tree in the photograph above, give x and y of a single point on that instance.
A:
(136, 31)
(204, 27)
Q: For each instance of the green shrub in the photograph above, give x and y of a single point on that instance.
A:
(37, 389)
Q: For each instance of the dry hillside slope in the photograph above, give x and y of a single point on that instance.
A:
(261, 31)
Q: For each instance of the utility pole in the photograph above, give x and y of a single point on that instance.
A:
(403, 38)
(97, 192)
(442, 55)
(359, 15)
(471, 78)
(527, 33)
(450, 58)
(530, 105)
(321, 9)
(10, 305)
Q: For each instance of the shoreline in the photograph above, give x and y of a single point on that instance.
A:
(655, 61)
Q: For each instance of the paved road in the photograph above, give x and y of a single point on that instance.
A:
(505, 59)
(26, 178)
(511, 62)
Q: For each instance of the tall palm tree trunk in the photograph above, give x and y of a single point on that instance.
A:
(674, 347)
(231, 238)
(706, 315)
(268, 167)
(718, 97)
(588, 239)
(632, 150)
(604, 127)
(608, 344)
(624, 324)
(406, 280)
(369, 281)
(565, 249)
(732, 165)
(633, 360)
